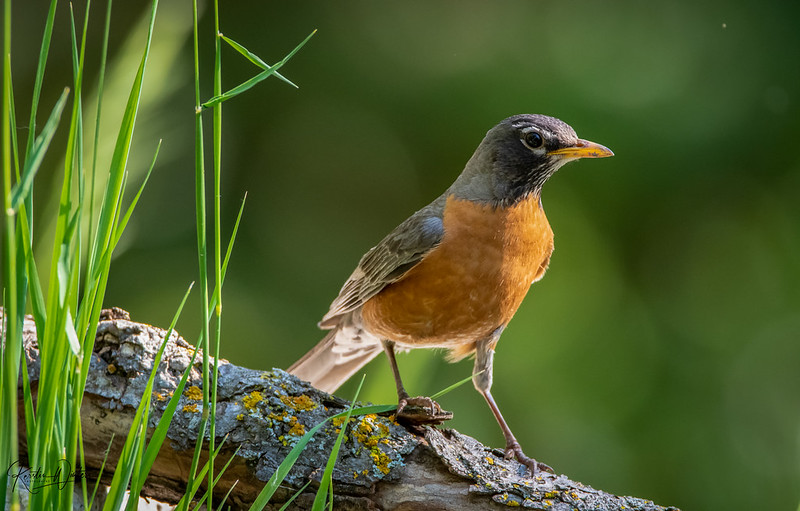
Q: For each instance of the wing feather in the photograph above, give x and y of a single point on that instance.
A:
(389, 260)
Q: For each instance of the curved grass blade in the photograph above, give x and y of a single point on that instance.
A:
(255, 59)
(455, 385)
(256, 79)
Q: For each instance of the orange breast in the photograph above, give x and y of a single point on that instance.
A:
(472, 283)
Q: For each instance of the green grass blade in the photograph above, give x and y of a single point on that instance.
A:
(454, 386)
(256, 79)
(121, 152)
(37, 84)
(157, 439)
(200, 222)
(191, 490)
(227, 494)
(12, 329)
(122, 474)
(98, 109)
(206, 495)
(327, 476)
(210, 381)
(124, 222)
(130, 465)
(288, 462)
(255, 59)
(99, 474)
(286, 504)
(37, 152)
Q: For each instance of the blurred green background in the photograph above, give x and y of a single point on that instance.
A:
(658, 358)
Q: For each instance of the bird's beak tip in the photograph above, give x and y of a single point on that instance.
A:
(583, 149)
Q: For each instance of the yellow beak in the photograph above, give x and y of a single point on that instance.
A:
(583, 149)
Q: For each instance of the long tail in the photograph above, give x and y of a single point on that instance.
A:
(336, 358)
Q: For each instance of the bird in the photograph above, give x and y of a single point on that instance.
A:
(453, 274)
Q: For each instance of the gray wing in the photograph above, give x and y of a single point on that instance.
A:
(389, 260)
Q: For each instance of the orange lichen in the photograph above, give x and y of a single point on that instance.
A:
(295, 428)
(191, 408)
(300, 403)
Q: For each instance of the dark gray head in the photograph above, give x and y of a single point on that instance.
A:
(518, 155)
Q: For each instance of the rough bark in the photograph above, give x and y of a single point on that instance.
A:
(382, 465)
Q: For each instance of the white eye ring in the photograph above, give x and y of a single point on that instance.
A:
(533, 140)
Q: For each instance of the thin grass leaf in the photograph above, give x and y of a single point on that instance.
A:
(100, 474)
(288, 462)
(98, 109)
(122, 474)
(286, 504)
(37, 152)
(455, 385)
(227, 494)
(190, 491)
(209, 381)
(327, 477)
(200, 222)
(124, 222)
(12, 326)
(217, 478)
(119, 157)
(32, 273)
(256, 79)
(37, 84)
(255, 59)
(147, 457)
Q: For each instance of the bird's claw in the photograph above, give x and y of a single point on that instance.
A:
(515, 451)
(421, 410)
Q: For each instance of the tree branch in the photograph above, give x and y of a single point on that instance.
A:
(381, 465)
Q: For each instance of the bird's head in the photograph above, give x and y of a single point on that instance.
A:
(518, 155)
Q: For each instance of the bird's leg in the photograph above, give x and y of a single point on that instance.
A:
(417, 410)
(482, 379)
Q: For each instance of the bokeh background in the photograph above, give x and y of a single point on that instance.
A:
(658, 358)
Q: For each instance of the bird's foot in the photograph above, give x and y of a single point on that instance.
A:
(513, 450)
(421, 410)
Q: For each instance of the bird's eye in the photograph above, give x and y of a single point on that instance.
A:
(533, 139)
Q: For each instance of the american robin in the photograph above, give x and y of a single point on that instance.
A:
(454, 273)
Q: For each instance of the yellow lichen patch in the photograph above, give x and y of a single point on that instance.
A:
(278, 417)
(111, 369)
(301, 403)
(551, 495)
(265, 375)
(489, 460)
(380, 459)
(251, 400)
(369, 434)
(295, 428)
(190, 408)
(194, 393)
(240, 417)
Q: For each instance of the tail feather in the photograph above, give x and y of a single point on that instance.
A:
(334, 360)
